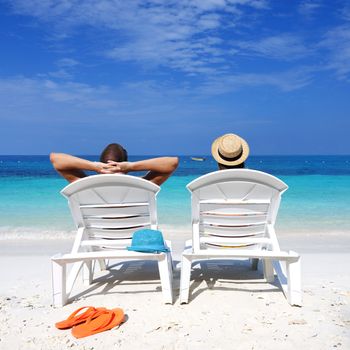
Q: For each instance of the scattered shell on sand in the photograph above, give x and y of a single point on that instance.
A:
(301, 322)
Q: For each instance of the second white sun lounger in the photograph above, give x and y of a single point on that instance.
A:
(233, 216)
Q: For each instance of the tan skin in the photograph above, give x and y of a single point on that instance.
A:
(72, 168)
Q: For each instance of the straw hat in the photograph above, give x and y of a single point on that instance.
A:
(230, 149)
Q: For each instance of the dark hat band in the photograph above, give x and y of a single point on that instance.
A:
(230, 159)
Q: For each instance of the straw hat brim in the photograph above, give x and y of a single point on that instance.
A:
(215, 153)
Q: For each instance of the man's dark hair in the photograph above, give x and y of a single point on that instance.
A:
(223, 167)
(114, 152)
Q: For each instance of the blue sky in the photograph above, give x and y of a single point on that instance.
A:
(167, 77)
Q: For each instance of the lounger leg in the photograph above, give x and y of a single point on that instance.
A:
(59, 283)
(87, 273)
(103, 265)
(255, 263)
(101, 262)
(165, 278)
(170, 265)
(268, 270)
(185, 279)
(168, 244)
(294, 282)
(73, 274)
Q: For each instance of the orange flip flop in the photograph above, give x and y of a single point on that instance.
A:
(78, 317)
(103, 320)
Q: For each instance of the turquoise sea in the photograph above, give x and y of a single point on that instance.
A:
(318, 198)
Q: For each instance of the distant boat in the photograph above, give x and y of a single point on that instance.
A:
(198, 159)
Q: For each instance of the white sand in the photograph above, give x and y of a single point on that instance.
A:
(230, 307)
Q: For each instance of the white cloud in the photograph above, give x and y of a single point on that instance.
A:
(37, 97)
(308, 8)
(65, 70)
(187, 36)
(67, 62)
(44, 99)
(64, 102)
(285, 81)
(337, 44)
(59, 74)
(345, 13)
(177, 34)
(283, 46)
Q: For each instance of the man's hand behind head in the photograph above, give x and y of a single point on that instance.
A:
(113, 167)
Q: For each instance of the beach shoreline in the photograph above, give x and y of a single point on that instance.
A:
(223, 312)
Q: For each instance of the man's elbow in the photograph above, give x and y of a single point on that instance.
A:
(174, 162)
(55, 160)
(53, 157)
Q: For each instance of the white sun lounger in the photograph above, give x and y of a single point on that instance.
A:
(233, 216)
(106, 210)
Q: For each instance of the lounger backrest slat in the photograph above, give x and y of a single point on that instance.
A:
(114, 234)
(233, 204)
(233, 220)
(112, 206)
(110, 222)
(232, 231)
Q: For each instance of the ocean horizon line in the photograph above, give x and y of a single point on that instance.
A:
(183, 155)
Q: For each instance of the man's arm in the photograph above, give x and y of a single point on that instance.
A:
(159, 169)
(72, 168)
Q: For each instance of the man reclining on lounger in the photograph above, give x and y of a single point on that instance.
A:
(113, 160)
